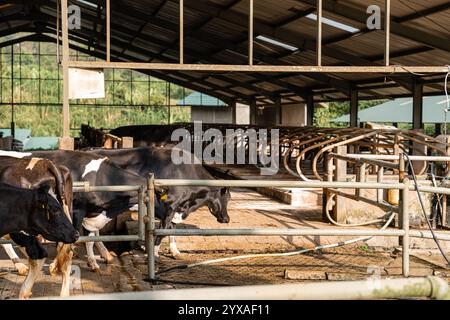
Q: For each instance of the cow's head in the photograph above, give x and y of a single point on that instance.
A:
(49, 219)
(218, 205)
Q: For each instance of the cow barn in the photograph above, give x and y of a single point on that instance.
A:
(200, 141)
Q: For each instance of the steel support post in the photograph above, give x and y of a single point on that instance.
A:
(405, 227)
(150, 227)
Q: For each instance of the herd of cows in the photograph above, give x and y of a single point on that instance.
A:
(37, 201)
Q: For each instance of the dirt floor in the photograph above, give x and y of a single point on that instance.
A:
(247, 209)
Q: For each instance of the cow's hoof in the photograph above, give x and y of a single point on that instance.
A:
(25, 295)
(21, 268)
(177, 256)
(93, 266)
(95, 269)
(108, 258)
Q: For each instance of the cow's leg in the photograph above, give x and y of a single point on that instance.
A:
(34, 273)
(92, 263)
(173, 247)
(64, 257)
(21, 268)
(104, 252)
(53, 268)
(177, 218)
(158, 241)
(37, 254)
(63, 264)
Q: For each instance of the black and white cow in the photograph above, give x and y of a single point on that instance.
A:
(28, 213)
(179, 201)
(32, 174)
(95, 209)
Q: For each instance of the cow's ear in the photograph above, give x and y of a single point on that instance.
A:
(223, 191)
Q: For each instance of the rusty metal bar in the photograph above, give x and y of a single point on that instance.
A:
(319, 32)
(181, 31)
(380, 163)
(387, 32)
(250, 33)
(257, 68)
(108, 30)
(65, 67)
(405, 227)
(150, 228)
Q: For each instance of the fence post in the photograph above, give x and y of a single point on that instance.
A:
(150, 227)
(405, 227)
(141, 213)
(329, 164)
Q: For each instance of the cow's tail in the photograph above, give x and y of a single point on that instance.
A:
(60, 187)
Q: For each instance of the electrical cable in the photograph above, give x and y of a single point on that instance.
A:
(286, 254)
(424, 211)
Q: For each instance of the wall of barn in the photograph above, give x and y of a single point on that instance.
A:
(291, 115)
(212, 114)
(294, 115)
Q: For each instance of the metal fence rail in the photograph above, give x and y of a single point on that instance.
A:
(403, 232)
(147, 220)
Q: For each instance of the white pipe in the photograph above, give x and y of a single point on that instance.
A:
(430, 287)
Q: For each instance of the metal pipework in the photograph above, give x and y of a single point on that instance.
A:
(141, 212)
(363, 160)
(123, 238)
(276, 184)
(300, 232)
(405, 227)
(87, 188)
(395, 157)
(279, 232)
(429, 287)
(150, 227)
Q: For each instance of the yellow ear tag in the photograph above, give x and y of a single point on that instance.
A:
(164, 197)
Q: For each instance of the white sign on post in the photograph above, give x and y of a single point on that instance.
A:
(86, 84)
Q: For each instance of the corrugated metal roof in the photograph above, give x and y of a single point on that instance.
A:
(401, 111)
(216, 33)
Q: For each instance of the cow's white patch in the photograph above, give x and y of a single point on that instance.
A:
(93, 166)
(11, 253)
(157, 251)
(14, 154)
(96, 223)
(32, 163)
(177, 218)
(134, 208)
